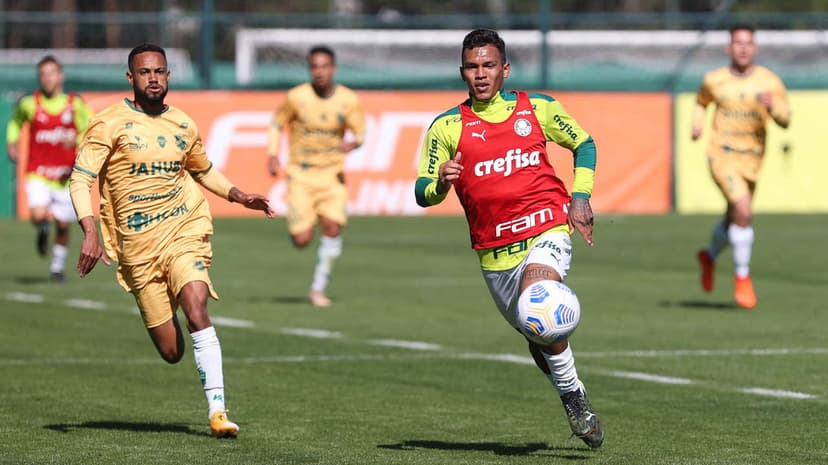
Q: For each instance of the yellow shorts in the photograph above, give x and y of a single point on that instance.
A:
(735, 173)
(156, 284)
(312, 195)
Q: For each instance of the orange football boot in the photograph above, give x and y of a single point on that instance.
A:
(743, 291)
(221, 427)
(707, 268)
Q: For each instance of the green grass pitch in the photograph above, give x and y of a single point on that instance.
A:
(414, 365)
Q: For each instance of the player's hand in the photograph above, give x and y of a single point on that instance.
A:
(448, 173)
(91, 251)
(14, 152)
(697, 132)
(346, 147)
(273, 166)
(766, 99)
(580, 218)
(252, 201)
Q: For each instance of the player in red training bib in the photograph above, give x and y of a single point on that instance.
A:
(492, 149)
(56, 120)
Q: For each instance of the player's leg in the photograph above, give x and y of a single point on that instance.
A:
(301, 215)
(330, 248)
(157, 306)
(740, 234)
(725, 174)
(557, 361)
(38, 197)
(330, 204)
(190, 282)
(64, 215)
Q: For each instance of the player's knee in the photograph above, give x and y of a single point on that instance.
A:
(301, 240)
(548, 312)
(172, 356)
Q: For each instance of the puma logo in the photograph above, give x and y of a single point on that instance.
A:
(481, 135)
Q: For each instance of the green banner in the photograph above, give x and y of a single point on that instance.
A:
(7, 168)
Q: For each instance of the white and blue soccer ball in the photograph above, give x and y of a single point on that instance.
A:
(548, 312)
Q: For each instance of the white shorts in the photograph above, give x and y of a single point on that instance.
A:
(42, 193)
(552, 248)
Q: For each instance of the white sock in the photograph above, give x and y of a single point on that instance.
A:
(719, 240)
(741, 239)
(207, 351)
(59, 253)
(562, 371)
(329, 249)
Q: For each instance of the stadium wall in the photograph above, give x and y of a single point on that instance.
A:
(647, 163)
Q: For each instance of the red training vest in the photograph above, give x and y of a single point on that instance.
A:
(52, 141)
(508, 187)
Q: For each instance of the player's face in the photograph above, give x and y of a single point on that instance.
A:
(483, 70)
(322, 69)
(149, 76)
(51, 79)
(742, 48)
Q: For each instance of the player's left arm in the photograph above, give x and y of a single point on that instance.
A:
(355, 121)
(776, 100)
(561, 128)
(202, 171)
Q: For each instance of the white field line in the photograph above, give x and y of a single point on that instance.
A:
(777, 393)
(232, 322)
(309, 332)
(85, 304)
(649, 377)
(413, 345)
(23, 297)
(703, 353)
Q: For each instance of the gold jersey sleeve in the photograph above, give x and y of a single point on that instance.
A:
(143, 164)
(317, 126)
(740, 118)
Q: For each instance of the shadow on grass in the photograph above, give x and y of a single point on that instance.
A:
(538, 449)
(30, 280)
(128, 426)
(280, 299)
(700, 305)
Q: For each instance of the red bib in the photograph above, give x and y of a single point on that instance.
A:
(508, 188)
(52, 141)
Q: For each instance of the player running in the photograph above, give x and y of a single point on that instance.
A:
(155, 221)
(492, 149)
(316, 114)
(745, 95)
(56, 121)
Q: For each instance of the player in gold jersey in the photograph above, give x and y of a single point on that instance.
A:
(745, 95)
(317, 114)
(155, 221)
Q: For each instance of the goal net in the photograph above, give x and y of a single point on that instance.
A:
(612, 60)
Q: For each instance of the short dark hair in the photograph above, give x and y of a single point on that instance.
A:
(49, 59)
(480, 37)
(145, 47)
(742, 27)
(322, 49)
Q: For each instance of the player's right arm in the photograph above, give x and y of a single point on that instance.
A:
(703, 98)
(281, 118)
(438, 167)
(92, 154)
(23, 113)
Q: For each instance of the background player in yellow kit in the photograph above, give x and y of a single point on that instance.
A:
(155, 221)
(745, 95)
(317, 114)
(56, 121)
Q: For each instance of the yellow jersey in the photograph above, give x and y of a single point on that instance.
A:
(145, 164)
(317, 126)
(740, 118)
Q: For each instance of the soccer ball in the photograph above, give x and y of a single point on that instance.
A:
(548, 311)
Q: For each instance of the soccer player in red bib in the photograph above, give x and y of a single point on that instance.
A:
(492, 149)
(56, 121)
